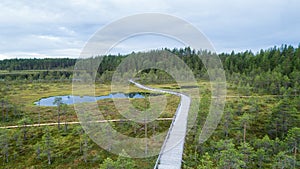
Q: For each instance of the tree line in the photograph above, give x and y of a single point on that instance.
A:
(273, 71)
(36, 64)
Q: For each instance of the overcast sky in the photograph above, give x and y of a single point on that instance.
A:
(60, 28)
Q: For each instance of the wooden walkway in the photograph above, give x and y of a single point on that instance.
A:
(170, 156)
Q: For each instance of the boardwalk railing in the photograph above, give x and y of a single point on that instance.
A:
(170, 155)
(167, 137)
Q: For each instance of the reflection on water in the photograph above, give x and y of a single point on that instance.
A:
(70, 99)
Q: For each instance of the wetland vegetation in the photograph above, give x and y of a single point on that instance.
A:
(260, 127)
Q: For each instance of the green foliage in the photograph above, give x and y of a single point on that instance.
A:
(282, 160)
(282, 118)
(255, 132)
(4, 145)
(262, 149)
(122, 162)
(230, 158)
(248, 154)
(206, 162)
(35, 64)
(108, 163)
(269, 71)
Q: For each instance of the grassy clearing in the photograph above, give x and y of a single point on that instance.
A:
(25, 95)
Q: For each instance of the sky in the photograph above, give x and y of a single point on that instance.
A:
(61, 28)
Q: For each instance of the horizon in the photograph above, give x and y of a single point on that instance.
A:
(149, 50)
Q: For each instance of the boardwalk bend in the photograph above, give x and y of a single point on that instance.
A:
(170, 155)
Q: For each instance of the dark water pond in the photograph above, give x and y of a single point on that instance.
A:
(70, 99)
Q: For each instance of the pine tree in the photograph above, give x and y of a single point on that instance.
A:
(282, 160)
(58, 102)
(261, 158)
(48, 145)
(245, 121)
(293, 145)
(282, 118)
(108, 163)
(64, 108)
(248, 154)
(124, 161)
(227, 155)
(4, 144)
(23, 123)
(206, 162)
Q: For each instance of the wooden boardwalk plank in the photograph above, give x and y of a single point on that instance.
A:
(170, 156)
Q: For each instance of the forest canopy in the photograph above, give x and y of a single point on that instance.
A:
(274, 71)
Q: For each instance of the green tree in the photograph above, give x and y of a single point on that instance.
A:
(122, 162)
(85, 147)
(282, 160)
(293, 145)
(227, 121)
(282, 118)
(64, 108)
(48, 145)
(206, 162)
(231, 158)
(108, 163)
(19, 146)
(261, 158)
(248, 154)
(58, 102)
(245, 121)
(4, 144)
(227, 155)
(4, 106)
(38, 150)
(23, 123)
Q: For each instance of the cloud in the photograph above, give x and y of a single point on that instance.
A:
(151, 42)
(57, 53)
(47, 28)
(14, 55)
(50, 38)
(3, 56)
(67, 31)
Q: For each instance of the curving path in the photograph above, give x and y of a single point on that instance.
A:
(73, 122)
(170, 156)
